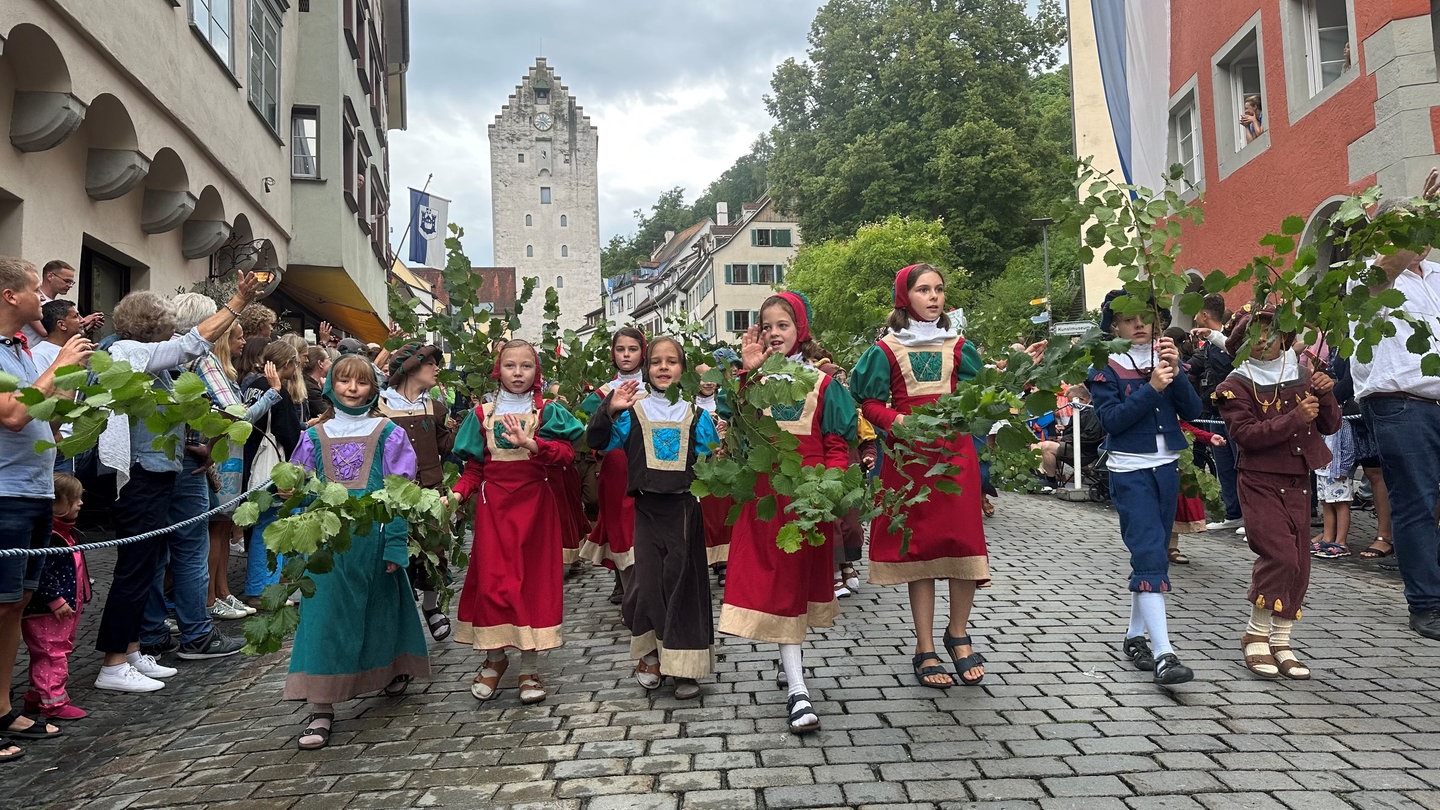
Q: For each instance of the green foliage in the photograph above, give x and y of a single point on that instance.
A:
(928, 110)
(1005, 316)
(850, 282)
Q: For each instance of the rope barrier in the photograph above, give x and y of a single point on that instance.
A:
(120, 541)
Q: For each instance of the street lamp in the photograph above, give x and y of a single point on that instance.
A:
(1045, 223)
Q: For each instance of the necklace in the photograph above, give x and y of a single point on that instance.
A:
(1266, 405)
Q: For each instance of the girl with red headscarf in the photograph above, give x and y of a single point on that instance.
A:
(513, 586)
(919, 360)
(773, 595)
(612, 541)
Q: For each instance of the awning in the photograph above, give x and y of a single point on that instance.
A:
(334, 296)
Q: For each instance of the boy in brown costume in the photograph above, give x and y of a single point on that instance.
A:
(1278, 413)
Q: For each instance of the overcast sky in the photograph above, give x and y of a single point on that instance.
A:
(674, 88)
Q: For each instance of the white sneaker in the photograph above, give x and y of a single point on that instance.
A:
(1240, 531)
(237, 547)
(223, 610)
(147, 665)
(128, 679)
(234, 602)
(1225, 524)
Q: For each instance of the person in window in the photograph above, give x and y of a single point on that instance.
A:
(1253, 118)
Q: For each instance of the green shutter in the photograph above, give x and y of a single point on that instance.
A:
(729, 317)
(729, 274)
(780, 272)
(754, 274)
(754, 237)
(754, 317)
(781, 238)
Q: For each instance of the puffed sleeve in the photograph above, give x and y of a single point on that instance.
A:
(470, 448)
(305, 452)
(400, 456)
(706, 436)
(591, 402)
(871, 386)
(556, 436)
(970, 361)
(838, 423)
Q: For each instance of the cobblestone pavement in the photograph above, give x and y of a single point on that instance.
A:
(1058, 722)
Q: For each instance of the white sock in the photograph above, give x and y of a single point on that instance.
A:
(1152, 611)
(113, 669)
(790, 662)
(429, 600)
(1137, 622)
(529, 661)
(132, 658)
(1280, 631)
(494, 656)
(1259, 624)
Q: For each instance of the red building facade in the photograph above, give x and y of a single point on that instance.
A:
(1350, 99)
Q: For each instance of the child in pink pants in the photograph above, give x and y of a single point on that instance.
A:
(54, 611)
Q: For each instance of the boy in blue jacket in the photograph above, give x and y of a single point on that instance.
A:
(1140, 397)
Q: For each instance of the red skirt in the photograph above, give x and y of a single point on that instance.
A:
(947, 535)
(612, 541)
(565, 487)
(717, 532)
(772, 595)
(1189, 515)
(513, 593)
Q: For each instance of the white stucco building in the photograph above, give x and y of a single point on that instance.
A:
(152, 144)
(545, 196)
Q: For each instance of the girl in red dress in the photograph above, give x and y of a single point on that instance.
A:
(1190, 514)
(512, 595)
(612, 540)
(773, 595)
(921, 359)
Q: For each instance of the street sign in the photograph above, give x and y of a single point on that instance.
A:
(1072, 328)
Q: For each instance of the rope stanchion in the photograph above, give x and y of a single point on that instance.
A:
(120, 541)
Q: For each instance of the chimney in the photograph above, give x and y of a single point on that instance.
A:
(722, 213)
(668, 236)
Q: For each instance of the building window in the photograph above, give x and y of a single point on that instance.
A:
(737, 274)
(213, 20)
(361, 170)
(542, 95)
(522, 157)
(1242, 80)
(305, 143)
(1327, 42)
(529, 251)
(738, 320)
(768, 274)
(559, 282)
(529, 220)
(770, 237)
(564, 251)
(1184, 139)
(264, 76)
(544, 195)
(348, 149)
(564, 221)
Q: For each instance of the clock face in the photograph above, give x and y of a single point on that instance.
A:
(543, 121)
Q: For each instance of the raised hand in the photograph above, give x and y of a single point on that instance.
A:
(1166, 352)
(752, 352)
(515, 432)
(323, 333)
(1037, 350)
(624, 396)
(272, 376)
(248, 289)
(1431, 189)
(75, 352)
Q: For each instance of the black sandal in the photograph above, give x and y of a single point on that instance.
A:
(923, 672)
(36, 730)
(311, 730)
(6, 743)
(397, 686)
(798, 706)
(969, 662)
(438, 623)
(1137, 650)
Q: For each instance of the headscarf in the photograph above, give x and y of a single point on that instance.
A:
(358, 410)
(539, 386)
(902, 289)
(920, 332)
(801, 307)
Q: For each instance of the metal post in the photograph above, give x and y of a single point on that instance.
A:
(1045, 223)
(1075, 439)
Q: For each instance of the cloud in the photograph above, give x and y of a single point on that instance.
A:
(675, 89)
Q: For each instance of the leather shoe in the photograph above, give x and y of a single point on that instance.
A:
(1426, 623)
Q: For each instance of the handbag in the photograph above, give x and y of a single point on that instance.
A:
(267, 455)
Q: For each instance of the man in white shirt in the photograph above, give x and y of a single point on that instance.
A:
(62, 321)
(1402, 408)
(56, 279)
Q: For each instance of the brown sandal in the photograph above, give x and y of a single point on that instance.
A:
(1290, 666)
(1258, 657)
(644, 673)
(532, 690)
(487, 680)
(987, 506)
(1177, 557)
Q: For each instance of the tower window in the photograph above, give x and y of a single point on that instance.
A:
(542, 95)
(564, 251)
(529, 251)
(522, 157)
(529, 220)
(544, 195)
(564, 221)
(559, 282)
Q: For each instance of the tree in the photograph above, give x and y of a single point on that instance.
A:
(928, 110)
(1005, 315)
(850, 282)
(745, 181)
(669, 213)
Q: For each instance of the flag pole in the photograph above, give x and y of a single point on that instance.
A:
(408, 223)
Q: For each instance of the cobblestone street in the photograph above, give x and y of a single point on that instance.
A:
(1058, 723)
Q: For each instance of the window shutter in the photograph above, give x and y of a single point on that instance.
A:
(754, 237)
(780, 272)
(781, 238)
(729, 316)
(754, 317)
(729, 274)
(754, 274)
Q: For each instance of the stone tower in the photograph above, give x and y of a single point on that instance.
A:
(545, 197)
